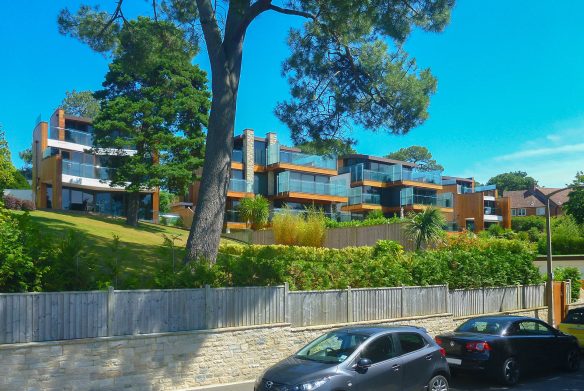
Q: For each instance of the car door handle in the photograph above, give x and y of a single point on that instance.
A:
(429, 357)
(396, 367)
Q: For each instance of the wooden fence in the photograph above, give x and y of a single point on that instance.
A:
(31, 317)
(336, 237)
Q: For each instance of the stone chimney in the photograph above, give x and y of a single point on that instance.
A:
(248, 154)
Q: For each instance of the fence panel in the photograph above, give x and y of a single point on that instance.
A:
(465, 302)
(501, 299)
(533, 296)
(428, 300)
(36, 317)
(309, 308)
(234, 307)
(157, 311)
(376, 303)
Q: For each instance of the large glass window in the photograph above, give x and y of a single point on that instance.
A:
(49, 197)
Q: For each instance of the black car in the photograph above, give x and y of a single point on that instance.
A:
(504, 346)
(399, 358)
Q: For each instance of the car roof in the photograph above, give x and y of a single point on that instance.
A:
(370, 331)
(505, 318)
(579, 309)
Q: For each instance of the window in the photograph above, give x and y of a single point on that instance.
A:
(380, 349)
(530, 327)
(411, 342)
(518, 212)
(540, 211)
(333, 347)
(482, 326)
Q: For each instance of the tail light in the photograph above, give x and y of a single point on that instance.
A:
(443, 352)
(438, 340)
(478, 347)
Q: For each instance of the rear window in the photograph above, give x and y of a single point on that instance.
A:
(574, 317)
(482, 326)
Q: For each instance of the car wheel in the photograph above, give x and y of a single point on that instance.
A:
(572, 363)
(509, 375)
(438, 383)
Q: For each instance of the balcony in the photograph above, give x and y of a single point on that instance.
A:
(407, 197)
(86, 170)
(289, 158)
(395, 173)
(72, 136)
(237, 156)
(239, 186)
(334, 191)
(493, 214)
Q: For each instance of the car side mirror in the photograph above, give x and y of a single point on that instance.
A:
(364, 363)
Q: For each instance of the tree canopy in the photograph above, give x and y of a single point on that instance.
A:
(9, 176)
(155, 102)
(80, 104)
(327, 147)
(516, 180)
(575, 204)
(347, 68)
(418, 155)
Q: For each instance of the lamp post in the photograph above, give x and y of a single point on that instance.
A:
(550, 270)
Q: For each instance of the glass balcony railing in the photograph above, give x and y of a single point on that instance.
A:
(86, 170)
(392, 174)
(240, 185)
(479, 189)
(277, 155)
(237, 156)
(285, 185)
(357, 197)
(72, 136)
(489, 210)
(407, 197)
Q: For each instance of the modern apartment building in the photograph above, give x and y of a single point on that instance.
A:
(351, 186)
(476, 207)
(67, 176)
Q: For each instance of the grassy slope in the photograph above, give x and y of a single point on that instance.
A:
(140, 246)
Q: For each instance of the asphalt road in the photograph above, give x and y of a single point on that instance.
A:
(547, 381)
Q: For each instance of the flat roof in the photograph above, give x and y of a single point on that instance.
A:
(378, 159)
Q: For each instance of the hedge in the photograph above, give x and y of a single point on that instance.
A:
(462, 263)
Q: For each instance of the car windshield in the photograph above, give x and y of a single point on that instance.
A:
(574, 317)
(482, 326)
(333, 347)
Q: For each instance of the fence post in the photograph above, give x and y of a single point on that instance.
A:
(446, 298)
(110, 311)
(403, 295)
(349, 305)
(286, 302)
(208, 307)
(519, 303)
(483, 288)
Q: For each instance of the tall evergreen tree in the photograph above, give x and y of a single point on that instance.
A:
(348, 67)
(417, 155)
(575, 204)
(155, 102)
(80, 104)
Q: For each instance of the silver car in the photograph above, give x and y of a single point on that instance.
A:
(400, 358)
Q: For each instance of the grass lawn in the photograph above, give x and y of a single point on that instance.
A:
(140, 247)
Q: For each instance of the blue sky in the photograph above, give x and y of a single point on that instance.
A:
(510, 83)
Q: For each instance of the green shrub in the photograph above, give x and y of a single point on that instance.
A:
(255, 210)
(463, 262)
(375, 215)
(312, 229)
(572, 274)
(286, 226)
(330, 223)
(526, 223)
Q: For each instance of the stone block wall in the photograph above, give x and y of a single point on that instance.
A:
(171, 361)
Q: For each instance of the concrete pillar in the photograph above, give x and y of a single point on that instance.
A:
(271, 139)
(248, 154)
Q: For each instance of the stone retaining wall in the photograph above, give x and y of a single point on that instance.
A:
(171, 361)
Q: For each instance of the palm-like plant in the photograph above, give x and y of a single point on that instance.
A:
(255, 211)
(425, 227)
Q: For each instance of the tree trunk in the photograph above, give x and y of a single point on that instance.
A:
(205, 233)
(133, 207)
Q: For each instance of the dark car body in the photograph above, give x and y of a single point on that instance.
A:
(504, 346)
(400, 358)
